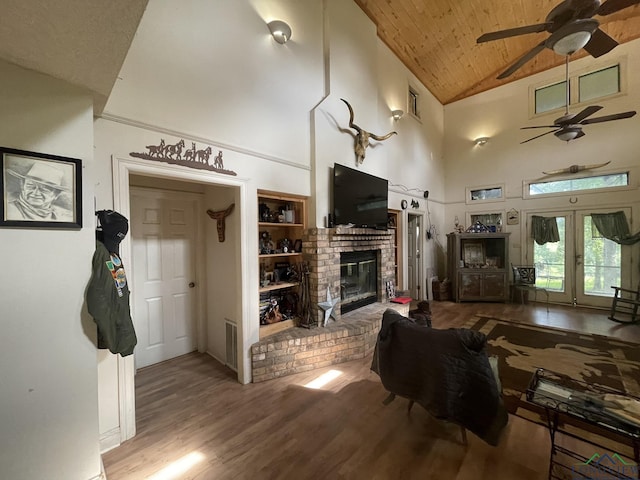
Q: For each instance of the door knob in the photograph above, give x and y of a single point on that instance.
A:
(192, 284)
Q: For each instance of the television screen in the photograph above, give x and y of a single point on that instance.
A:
(359, 198)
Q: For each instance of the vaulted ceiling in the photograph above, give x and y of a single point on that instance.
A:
(436, 39)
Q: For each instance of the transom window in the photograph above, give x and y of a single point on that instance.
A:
(578, 184)
(414, 107)
(490, 193)
(550, 97)
(582, 88)
(599, 83)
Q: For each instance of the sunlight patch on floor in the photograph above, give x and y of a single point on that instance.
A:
(176, 469)
(323, 379)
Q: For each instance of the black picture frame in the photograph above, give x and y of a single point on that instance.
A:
(39, 190)
(297, 246)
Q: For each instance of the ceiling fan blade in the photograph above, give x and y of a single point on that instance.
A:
(600, 44)
(513, 32)
(538, 136)
(612, 6)
(522, 60)
(587, 112)
(539, 126)
(608, 118)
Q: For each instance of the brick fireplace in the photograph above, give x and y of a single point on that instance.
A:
(323, 247)
(300, 349)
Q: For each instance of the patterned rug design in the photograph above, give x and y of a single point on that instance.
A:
(522, 349)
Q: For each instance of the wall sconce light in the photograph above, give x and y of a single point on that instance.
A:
(397, 114)
(280, 30)
(481, 140)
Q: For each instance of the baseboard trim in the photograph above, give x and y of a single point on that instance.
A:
(109, 440)
(102, 475)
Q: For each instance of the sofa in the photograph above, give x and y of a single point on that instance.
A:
(447, 372)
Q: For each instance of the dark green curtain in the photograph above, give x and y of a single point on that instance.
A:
(614, 226)
(544, 229)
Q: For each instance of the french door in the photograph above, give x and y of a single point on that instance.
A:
(581, 267)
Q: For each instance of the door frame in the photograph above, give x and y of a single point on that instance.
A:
(568, 295)
(199, 257)
(122, 168)
(576, 215)
(419, 264)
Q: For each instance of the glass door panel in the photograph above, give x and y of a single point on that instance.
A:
(599, 264)
(550, 261)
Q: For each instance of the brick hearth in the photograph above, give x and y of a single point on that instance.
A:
(299, 349)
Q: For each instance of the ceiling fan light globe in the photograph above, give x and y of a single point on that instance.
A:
(567, 134)
(571, 43)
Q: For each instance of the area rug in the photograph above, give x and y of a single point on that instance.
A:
(522, 349)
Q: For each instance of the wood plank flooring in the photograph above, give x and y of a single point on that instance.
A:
(193, 417)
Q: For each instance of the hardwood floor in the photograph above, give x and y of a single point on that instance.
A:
(191, 411)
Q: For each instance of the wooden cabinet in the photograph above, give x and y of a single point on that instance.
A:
(478, 266)
(282, 220)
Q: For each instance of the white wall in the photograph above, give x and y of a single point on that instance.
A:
(213, 70)
(363, 71)
(48, 376)
(499, 114)
(223, 270)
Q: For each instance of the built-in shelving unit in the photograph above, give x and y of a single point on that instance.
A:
(281, 223)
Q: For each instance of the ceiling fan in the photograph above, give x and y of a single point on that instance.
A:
(571, 28)
(569, 126)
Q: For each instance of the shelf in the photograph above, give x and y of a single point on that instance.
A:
(278, 286)
(270, 255)
(279, 224)
(266, 330)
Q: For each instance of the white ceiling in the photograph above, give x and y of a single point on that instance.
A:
(83, 42)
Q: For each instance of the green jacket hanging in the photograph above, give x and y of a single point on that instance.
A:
(108, 302)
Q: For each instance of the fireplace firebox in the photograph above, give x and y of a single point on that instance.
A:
(358, 279)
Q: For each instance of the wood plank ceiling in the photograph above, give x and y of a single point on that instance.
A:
(436, 39)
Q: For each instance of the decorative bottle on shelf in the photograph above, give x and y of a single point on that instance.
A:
(288, 215)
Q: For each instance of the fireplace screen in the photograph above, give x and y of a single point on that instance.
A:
(358, 279)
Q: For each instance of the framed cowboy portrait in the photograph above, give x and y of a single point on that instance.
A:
(40, 190)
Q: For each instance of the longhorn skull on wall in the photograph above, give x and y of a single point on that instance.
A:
(219, 217)
(577, 168)
(362, 136)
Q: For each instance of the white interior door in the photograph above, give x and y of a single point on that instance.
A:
(414, 259)
(163, 245)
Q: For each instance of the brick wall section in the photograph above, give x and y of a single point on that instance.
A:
(299, 350)
(322, 248)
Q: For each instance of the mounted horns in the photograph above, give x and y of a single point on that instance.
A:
(219, 217)
(362, 136)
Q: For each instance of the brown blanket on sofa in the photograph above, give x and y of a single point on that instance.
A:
(445, 371)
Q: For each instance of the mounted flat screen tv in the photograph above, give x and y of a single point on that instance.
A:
(359, 198)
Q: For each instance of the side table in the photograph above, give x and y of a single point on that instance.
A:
(606, 411)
